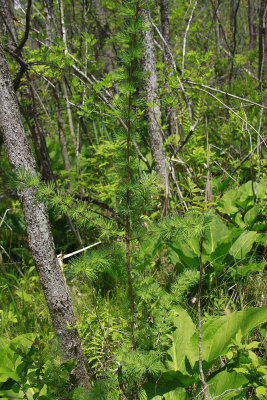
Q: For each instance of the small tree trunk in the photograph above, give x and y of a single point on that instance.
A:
(153, 110)
(62, 139)
(252, 27)
(103, 34)
(39, 233)
(30, 113)
(7, 22)
(262, 37)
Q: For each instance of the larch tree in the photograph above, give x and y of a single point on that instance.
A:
(38, 229)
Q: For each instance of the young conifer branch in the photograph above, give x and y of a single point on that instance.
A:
(127, 227)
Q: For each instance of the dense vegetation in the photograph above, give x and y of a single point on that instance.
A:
(147, 122)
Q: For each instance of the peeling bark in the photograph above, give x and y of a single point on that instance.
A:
(39, 233)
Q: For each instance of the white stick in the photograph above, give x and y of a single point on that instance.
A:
(61, 257)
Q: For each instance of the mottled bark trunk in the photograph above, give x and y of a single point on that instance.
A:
(103, 34)
(153, 110)
(165, 30)
(218, 33)
(38, 229)
(71, 126)
(30, 113)
(62, 139)
(7, 23)
(262, 37)
(234, 6)
(252, 26)
(48, 13)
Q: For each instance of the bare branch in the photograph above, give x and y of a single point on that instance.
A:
(27, 28)
(185, 35)
(226, 93)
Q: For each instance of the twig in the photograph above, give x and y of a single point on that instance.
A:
(230, 176)
(61, 257)
(226, 93)
(228, 391)
(246, 157)
(230, 109)
(4, 216)
(190, 133)
(180, 195)
(162, 322)
(185, 35)
(186, 99)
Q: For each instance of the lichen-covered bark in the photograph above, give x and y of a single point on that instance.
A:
(153, 110)
(38, 229)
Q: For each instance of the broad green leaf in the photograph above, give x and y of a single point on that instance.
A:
(217, 334)
(243, 270)
(252, 214)
(261, 190)
(185, 328)
(243, 244)
(217, 231)
(225, 382)
(164, 391)
(227, 202)
(261, 391)
(7, 373)
(223, 246)
(245, 195)
(187, 252)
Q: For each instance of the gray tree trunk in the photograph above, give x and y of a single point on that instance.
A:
(31, 115)
(103, 34)
(262, 37)
(39, 233)
(62, 139)
(252, 26)
(153, 110)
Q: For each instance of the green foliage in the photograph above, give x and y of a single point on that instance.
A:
(29, 370)
(182, 360)
(165, 252)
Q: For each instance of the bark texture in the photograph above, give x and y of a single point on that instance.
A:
(38, 229)
(153, 110)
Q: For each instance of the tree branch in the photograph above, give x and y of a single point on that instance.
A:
(27, 28)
